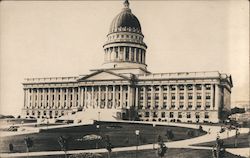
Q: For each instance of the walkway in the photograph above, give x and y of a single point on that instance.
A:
(214, 131)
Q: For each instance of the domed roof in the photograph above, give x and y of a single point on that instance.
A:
(125, 19)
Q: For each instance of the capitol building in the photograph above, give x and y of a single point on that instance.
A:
(123, 88)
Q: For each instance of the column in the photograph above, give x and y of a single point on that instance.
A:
(139, 55)
(92, 102)
(160, 97)
(194, 97)
(114, 105)
(203, 96)
(152, 97)
(177, 97)
(25, 97)
(168, 97)
(99, 96)
(121, 93)
(143, 57)
(136, 97)
(185, 97)
(130, 54)
(144, 97)
(61, 98)
(212, 97)
(129, 97)
(73, 97)
(217, 97)
(124, 53)
(85, 97)
(106, 97)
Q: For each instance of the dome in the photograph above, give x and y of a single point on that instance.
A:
(125, 19)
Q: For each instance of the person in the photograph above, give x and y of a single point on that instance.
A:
(11, 147)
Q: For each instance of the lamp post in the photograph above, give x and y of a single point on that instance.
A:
(99, 116)
(154, 136)
(97, 127)
(137, 132)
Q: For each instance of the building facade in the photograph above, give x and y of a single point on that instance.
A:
(124, 87)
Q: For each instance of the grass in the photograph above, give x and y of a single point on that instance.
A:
(121, 134)
(171, 153)
(243, 141)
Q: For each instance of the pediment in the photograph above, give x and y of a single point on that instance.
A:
(103, 75)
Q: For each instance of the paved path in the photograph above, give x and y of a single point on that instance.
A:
(214, 132)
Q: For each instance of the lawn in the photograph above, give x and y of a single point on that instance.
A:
(171, 153)
(121, 134)
(243, 141)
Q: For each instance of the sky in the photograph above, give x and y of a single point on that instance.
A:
(65, 38)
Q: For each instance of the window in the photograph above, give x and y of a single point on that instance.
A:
(181, 96)
(198, 95)
(172, 88)
(179, 115)
(208, 87)
(173, 96)
(141, 96)
(198, 105)
(208, 95)
(163, 114)
(189, 87)
(171, 114)
(190, 105)
(157, 88)
(165, 96)
(156, 96)
(198, 87)
(147, 114)
(155, 114)
(181, 105)
(164, 105)
(165, 88)
(188, 115)
(172, 104)
(197, 115)
(207, 104)
(156, 104)
(149, 96)
(206, 115)
(149, 89)
(181, 87)
(190, 96)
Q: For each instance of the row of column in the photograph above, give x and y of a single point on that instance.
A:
(122, 53)
(96, 96)
(214, 100)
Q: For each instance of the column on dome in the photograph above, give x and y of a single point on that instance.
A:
(130, 54)
(139, 55)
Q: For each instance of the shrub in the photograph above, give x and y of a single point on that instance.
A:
(169, 134)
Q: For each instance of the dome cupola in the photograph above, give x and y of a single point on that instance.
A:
(125, 19)
(124, 47)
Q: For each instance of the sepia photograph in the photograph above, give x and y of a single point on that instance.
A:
(124, 79)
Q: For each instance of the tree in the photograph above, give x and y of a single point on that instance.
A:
(29, 143)
(108, 145)
(64, 143)
(169, 134)
(162, 149)
(218, 150)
